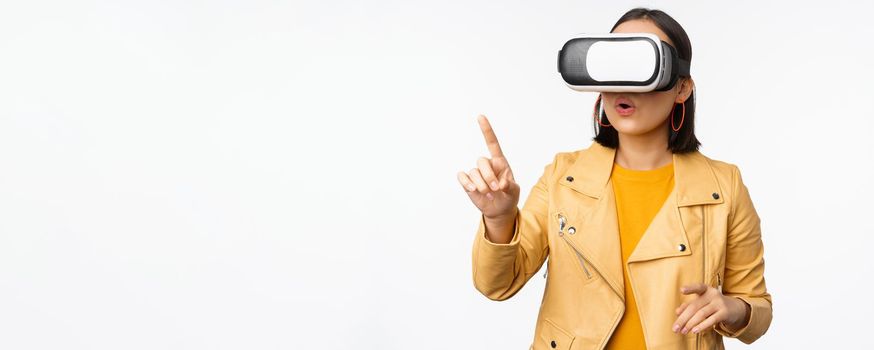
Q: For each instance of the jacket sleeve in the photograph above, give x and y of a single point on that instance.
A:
(500, 270)
(744, 274)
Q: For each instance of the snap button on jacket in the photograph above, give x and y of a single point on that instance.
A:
(707, 232)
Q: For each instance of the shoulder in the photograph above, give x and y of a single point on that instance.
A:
(567, 158)
(730, 180)
(726, 172)
(723, 169)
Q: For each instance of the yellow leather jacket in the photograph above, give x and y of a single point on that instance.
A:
(707, 232)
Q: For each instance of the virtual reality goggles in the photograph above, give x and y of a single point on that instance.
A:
(620, 62)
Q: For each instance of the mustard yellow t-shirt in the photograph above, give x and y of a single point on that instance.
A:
(639, 196)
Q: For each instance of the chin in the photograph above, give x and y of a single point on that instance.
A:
(629, 127)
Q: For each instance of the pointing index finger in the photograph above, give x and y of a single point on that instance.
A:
(489, 134)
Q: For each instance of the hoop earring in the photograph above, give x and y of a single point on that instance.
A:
(596, 113)
(682, 117)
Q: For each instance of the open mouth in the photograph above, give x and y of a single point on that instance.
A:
(624, 106)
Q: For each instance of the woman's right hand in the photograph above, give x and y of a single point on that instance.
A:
(490, 185)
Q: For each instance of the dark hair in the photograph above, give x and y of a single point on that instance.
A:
(684, 140)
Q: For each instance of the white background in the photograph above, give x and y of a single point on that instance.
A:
(281, 175)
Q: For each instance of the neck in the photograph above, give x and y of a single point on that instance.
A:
(644, 152)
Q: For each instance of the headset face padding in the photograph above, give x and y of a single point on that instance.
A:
(633, 62)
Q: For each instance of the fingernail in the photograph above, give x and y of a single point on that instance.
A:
(695, 330)
(676, 327)
(494, 186)
(685, 331)
(489, 196)
(471, 187)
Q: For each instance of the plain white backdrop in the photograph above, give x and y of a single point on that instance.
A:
(281, 175)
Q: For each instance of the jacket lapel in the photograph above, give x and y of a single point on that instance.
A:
(694, 184)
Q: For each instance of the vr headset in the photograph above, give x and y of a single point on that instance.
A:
(620, 62)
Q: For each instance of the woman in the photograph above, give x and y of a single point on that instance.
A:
(651, 244)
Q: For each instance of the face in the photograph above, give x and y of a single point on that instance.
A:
(636, 113)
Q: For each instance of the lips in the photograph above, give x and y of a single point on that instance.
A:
(624, 106)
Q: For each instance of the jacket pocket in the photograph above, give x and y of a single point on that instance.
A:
(553, 337)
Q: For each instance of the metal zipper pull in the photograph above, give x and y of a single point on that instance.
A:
(719, 282)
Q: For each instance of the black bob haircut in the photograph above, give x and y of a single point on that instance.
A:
(684, 140)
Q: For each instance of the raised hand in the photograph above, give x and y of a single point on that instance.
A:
(490, 185)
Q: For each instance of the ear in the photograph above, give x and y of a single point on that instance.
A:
(685, 89)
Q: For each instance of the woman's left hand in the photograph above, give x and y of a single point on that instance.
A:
(708, 308)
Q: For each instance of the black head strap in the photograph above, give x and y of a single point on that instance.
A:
(678, 65)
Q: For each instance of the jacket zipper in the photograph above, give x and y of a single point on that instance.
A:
(703, 262)
(719, 282)
(580, 257)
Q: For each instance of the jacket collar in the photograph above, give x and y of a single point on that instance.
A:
(694, 183)
(694, 179)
